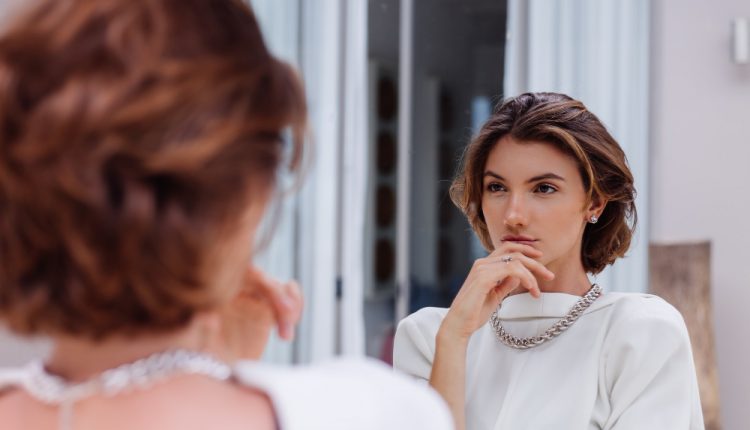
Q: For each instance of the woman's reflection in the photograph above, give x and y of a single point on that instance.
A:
(529, 342)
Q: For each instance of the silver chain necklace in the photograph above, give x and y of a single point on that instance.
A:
(140, 374)
(557, 328)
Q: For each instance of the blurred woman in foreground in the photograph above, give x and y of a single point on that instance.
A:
(139, 147)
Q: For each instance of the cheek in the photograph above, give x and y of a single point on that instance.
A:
(493, 220)
(565, 227)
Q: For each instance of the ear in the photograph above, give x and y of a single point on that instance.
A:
(596, 207)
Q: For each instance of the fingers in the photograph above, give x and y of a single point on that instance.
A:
(505, 277)
(527, 254)
(511, 247)
(285, 298)
(493, 272)
(293, 305)
(490, 280)
(525, 278)
(514, 260)
(532, 265)
(503, 288)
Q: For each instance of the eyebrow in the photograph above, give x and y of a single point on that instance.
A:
(534, 179)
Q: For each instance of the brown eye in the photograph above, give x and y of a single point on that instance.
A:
(494, 187)
(546, 189)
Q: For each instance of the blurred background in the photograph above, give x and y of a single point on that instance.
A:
(396, 89)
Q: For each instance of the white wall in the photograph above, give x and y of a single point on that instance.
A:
(700, 168)
(15, 351)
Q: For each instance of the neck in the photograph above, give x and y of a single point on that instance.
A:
(570, 277)
(76, 359)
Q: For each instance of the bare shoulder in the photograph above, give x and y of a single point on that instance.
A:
(184, 403)
(18, 410)
(204, 403)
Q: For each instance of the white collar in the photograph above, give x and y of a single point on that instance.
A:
(549, 305)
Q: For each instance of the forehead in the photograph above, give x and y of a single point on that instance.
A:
(521, 160)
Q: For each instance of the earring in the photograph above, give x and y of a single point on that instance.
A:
(594, 219)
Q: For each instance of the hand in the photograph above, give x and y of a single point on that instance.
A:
(284, 298)
(488, 283)
(262, 304)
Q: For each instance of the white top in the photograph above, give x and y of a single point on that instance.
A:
(338, 395)
(346, 395)
(625, 364)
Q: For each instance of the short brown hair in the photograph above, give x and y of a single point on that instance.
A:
(133, 136)
(567, 124)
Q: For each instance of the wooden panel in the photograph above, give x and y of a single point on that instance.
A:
(680, 274)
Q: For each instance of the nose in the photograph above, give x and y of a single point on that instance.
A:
(516, 215)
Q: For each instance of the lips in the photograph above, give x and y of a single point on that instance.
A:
(525, 240)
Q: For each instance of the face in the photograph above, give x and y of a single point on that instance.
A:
(533, 193)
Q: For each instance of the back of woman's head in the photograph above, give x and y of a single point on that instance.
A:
(567, 124)
(133, 136)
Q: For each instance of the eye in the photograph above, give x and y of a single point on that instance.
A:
(546, 189)
(494, 187)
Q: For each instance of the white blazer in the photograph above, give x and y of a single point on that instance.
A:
(625, 364)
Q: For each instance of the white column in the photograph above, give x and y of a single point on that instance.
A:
(403, 202)
(279, 22)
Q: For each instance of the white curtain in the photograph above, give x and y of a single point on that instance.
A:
(354, 178)
(598, 52)
(319, 237)
(317, 248)
(279, 20)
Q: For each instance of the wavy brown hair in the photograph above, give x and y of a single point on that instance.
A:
(133, 136)
(567, 124)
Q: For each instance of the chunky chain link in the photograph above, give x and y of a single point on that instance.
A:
(560, 326)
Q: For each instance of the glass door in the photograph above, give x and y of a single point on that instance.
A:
(436, 68)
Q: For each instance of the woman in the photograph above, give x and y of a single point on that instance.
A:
(139, 146)
(549, 193)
